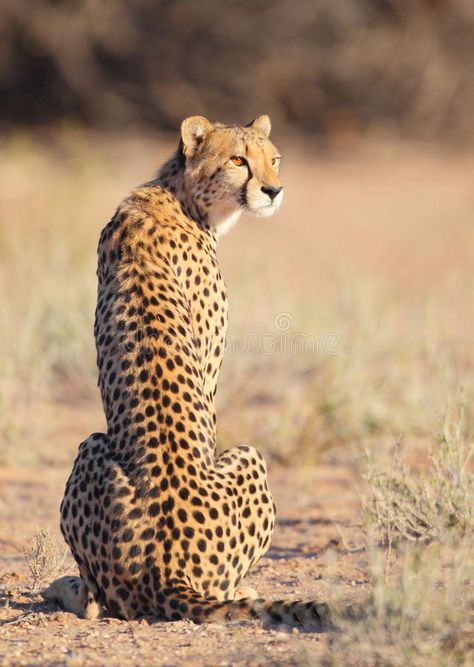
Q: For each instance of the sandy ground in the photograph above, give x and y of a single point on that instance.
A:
(318, 510)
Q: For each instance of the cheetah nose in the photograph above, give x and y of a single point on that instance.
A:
(271, 191)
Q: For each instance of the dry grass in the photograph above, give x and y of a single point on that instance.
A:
(420, 541)
(46, 558)
(422, 615)
(435, 502)
(391, 370)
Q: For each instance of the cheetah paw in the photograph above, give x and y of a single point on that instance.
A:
(72, 594)
(246, 592)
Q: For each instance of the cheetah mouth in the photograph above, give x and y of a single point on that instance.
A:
(266, 210)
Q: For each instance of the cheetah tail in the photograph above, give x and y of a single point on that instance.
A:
(296, 614)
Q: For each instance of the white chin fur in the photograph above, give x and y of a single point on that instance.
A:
(223, 221)
(265, 211)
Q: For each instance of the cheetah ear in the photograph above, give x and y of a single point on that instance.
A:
(262, 124)
(193, 132)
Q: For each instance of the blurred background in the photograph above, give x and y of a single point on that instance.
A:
(320, 68)
(372, 107)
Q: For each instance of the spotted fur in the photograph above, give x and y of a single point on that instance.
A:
(158, 523)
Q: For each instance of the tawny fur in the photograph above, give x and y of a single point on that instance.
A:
(158, 523)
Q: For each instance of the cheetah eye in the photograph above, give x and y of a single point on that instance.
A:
(238, 161)
(276, 160)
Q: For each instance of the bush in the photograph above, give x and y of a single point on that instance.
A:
(318, 67)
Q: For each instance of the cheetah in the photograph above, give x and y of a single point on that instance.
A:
(159, 524)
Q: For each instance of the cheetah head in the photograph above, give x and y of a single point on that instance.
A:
(231, 169)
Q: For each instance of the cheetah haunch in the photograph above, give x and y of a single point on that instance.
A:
(159, 524)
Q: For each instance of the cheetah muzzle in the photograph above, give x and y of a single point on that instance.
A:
(158, 523)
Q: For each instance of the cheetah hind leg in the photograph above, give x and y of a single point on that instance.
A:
(73, 594)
